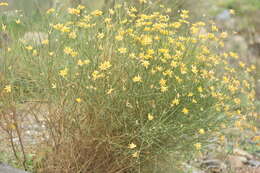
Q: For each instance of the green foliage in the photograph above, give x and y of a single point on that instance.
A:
(241, 6)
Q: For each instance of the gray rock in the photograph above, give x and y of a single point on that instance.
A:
(237, 161)
(34, 38)
(254, 163)
(4, 168)
(214, 164)
(192, 169)
(224, 15)
(5, 39)
(240, 152)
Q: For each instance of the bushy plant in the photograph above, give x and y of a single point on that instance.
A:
(125, 90)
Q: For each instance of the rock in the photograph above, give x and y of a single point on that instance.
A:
(5, 39)
(34, 38)
(225, 20)
(254, 163)
(237, 161)
(4, 168)
(240, 152)
(257, 170)
(191, 169)
(248, 170)
(224, 15)
(214, 165)
(29, 7)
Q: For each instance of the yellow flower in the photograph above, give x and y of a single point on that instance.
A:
(105, 65)
(35, 53)
(145, 63)
(3, 27)
(175, 102)
(194, 101)
(119, 37)
(185, 111)
(80, 62)
(122, 50)
(150, 117)
(231, 11)
(241, 64)
(100, 35)
(3, 4)
(222, 138)
(86, 61)
(97, 13)
(68, 50)
(111, 11)
(184, 14)
(190, 94)
(51, 10)
(164, 88)
(223, 35)
(96, 74)
(81, 7)
(233, 55)
(137, 78)
(194, 69)
(197, 146)
(135, 154)
(132, 146)
(45, 42)
(29, 47)
(74, 11)
(200, 89)
(174, 64)
(237, 101)
(78, 100)
(8, 88)
(214, 28)
(202, 131)
(72, 35)
(63, 72)
(53, 85)
(107, 20)
(176, 25)
(163, 82)
(256, 138)
(18, 21)
(110, 91)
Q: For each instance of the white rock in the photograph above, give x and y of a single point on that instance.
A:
(34, 38)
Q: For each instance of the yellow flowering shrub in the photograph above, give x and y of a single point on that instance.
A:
(127, 89)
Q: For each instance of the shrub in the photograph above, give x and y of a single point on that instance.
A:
(124, 90)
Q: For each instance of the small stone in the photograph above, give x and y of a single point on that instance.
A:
(237, 161)
(192, 169)
(254, 163)
(214, 165)
(4, 168)
(240, 152)
(34, 38)
(224, 15)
